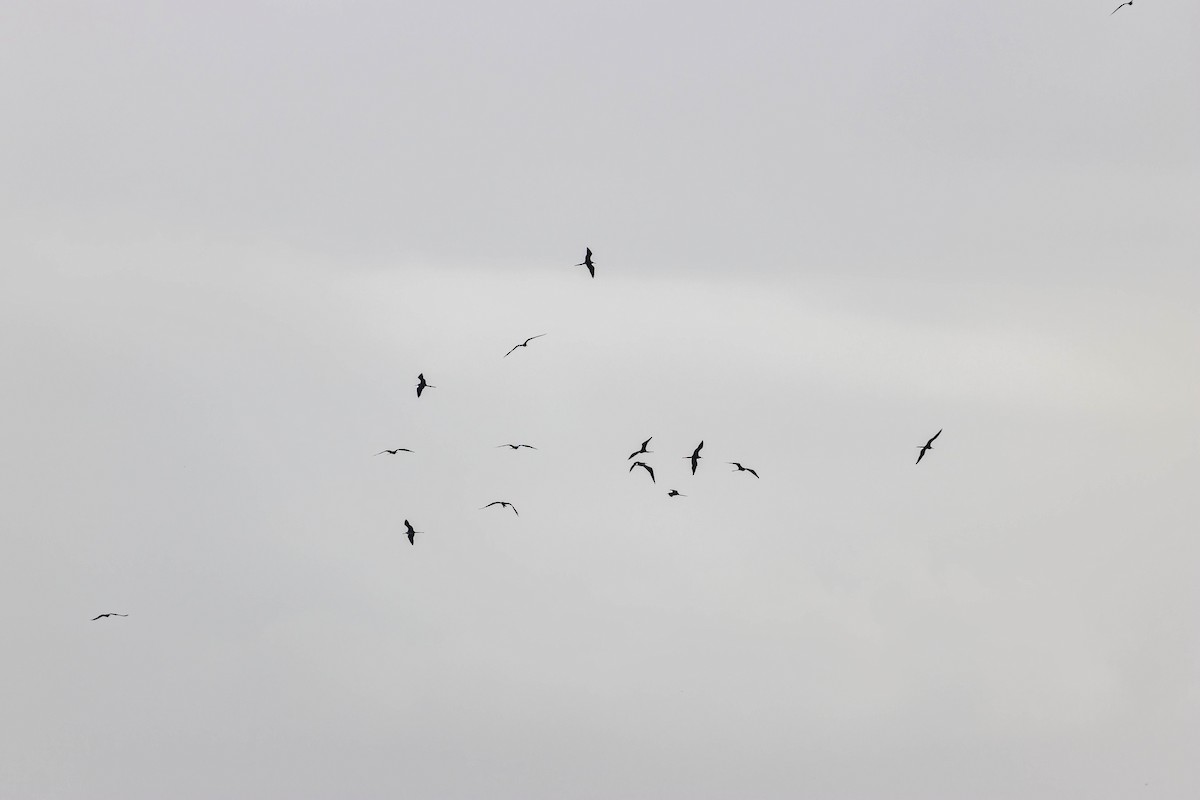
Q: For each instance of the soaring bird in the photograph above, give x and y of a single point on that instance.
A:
(642, 450)
(675, 493)
(393, 452)
(928, 446)
(422, 385)
(695, 457)
(517, 446)
(1118, 8)
(523, 344)
(587, 262)
(502, 504)
(110, 614)
(740, 468)
(646, 467)
(412, 535)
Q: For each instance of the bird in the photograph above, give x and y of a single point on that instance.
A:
(587, 262)
(393, 452)
(675, 493)
(422, 385)
(523, 344)
(502, 504)
(1118, 8)
(109, 614)
(642, 450)
(928, 445)
(646, 467)
(412, 535)
(517, 446)
(740, 468)
(695, 457)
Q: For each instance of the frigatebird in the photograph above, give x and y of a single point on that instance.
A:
(109, 614)
(393, 452)
(1118, 8)
(412, 535)
(928, 445)
(642, 450)
(502, 504)
(740, 468)
(523, 344)
(646, 467)
(675, 493)
(422, 385)
(695, 457)
(587, 262)
(517, 446)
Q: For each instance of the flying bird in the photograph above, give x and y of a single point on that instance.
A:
(587, 262)
(675, 493)
(422, 385)
(695, 457)
(1118, 8)
(740, 468)
(110, 614)
(642, 450)
(928, 446)
(517, 446)
(646, 467)
(412, 535)
(502, 504)
(393, 452)
(523, 344)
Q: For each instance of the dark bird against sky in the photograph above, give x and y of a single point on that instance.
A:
(523, 344)
(587, 262)
(675, 493)
(1118, 8)
(740, 468)
(928, 445)
(695, 457)
(393, 452)
(517, 446)
(412, 535)
(503, 504)
(109, 614)
(422, 385)
(642, 450)
(646, 467)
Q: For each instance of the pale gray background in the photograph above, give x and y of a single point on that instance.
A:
(232, 234)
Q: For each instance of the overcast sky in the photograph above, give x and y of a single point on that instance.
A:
(231, 235)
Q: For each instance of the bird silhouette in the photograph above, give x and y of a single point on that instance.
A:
(109, 614)
(393, 452)
(695, 457)
(502, 504)
(523, 344)
(646, 467)
(928, 445)
(740, 468)
(675, 493)
(1118, 8)
(587, 262)
(642, 450)
(422, 385)
(412, 535)
(517, 446)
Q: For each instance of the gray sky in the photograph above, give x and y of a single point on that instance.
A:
(233, 235)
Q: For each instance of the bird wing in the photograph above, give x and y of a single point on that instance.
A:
(510, 352)
(412, 537)
(409, 526)
(699, 447)
(489, 505)
(420, 386)
(591, 270)
(651, 471)
(939, 433)
(646, 443)
(752, 472)
(920, 455)
(98, 616)
(514, 508)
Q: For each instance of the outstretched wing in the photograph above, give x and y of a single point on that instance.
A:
(752, 472)
(939, 433)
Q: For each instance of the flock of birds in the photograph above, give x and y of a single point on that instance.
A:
(644, 449)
